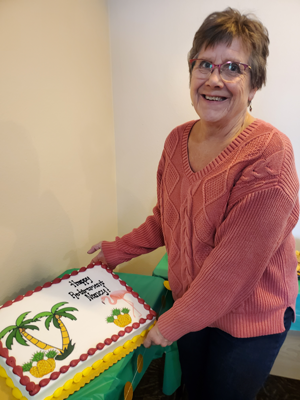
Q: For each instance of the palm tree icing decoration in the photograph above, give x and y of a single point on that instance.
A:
(55, 316)
(20, 334)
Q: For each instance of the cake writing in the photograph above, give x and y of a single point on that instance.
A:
(86, 291)
(85, 281)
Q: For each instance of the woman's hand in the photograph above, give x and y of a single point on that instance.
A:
(155, 337)
(100, 256)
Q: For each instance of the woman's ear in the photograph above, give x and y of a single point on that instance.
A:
(251, 94)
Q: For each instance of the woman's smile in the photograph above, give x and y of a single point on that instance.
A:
(212, 98)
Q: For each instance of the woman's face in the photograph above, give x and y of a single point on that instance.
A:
(230, 98)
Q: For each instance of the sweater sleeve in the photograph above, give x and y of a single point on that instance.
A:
(253, 230)
(144, 239)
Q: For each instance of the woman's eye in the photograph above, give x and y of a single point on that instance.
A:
(205, 64)
(234, 67)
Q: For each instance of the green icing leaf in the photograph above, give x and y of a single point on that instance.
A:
(20, 338)
(42, 315)
(56, 306)
(55, 323)
(27, 321)
(51, 354)
(66, 352)
(10, 338)
(48, 321)
(33, 327)
(68, 309)
(6, 330)
(27, 367)
(67, 315)
(21, 318)
(38, 356)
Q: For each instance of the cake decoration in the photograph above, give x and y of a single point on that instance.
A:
(120, 317)
(58, 337)
(19, 332)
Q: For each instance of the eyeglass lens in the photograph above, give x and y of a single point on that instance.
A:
(229, 71)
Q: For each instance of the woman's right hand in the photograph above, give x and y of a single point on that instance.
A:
(100, 256)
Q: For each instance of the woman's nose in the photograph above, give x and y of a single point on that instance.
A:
(215, 78)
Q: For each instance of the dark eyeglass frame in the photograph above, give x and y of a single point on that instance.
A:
(220, 65)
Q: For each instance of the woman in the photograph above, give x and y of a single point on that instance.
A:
(227, 204)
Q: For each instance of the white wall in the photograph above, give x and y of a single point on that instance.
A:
(57, 155)
(149, 43)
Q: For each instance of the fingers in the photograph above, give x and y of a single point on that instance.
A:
(99, 259)
(94, 248)
(156, 338)
(148, 339)
(165, 343)
(147, 343)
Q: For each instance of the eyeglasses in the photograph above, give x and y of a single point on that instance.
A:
(229, 71)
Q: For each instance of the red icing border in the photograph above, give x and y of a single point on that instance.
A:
(7, 304)
(18, 370)
(92, 351)
(64, 369)
(11, 362)
(83, 357)
(33, 388)
(44, 382)
(55, 375)
(24, 380)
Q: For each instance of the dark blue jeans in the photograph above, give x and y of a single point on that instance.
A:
(218, 366)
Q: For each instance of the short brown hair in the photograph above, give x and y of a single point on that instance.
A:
(223, 27)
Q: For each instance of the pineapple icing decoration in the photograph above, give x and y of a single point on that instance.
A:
(38, 366)
(119, 317)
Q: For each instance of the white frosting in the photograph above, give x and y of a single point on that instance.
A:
(95, 293)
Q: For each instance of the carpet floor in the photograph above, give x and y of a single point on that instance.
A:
(150, 387)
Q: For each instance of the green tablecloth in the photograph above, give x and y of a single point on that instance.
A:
(161, 269)
(110, 384)
(296, 325)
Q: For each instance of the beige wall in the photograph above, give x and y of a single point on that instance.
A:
(57, 156)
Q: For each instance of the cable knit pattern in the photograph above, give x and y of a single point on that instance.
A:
(228, 234)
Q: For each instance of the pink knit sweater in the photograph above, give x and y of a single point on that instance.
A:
(228, 234)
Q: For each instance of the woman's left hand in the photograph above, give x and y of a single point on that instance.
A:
(155, 337)
(100, 256)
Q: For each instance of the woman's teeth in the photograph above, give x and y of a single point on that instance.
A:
(214, 98)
